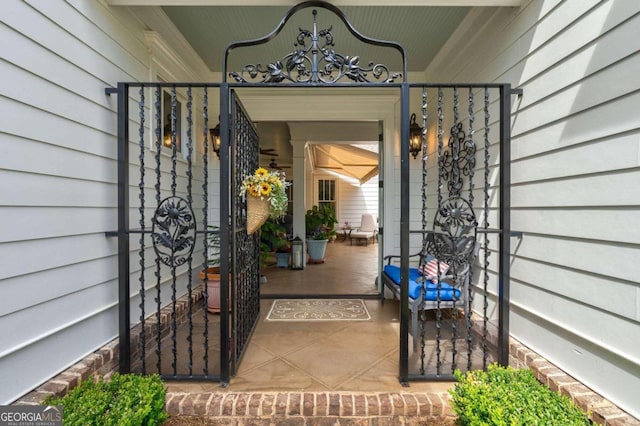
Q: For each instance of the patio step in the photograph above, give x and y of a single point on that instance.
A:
(313, 408)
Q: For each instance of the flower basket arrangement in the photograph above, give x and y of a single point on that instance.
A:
(266, 197)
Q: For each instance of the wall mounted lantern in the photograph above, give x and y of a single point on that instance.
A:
(415, 137)
(166, 133)
(214, 134)
(297, 253)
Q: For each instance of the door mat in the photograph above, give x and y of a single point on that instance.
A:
(318, 310)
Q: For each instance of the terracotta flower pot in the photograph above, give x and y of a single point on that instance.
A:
(213, 288)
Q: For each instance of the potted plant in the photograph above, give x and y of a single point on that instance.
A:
(283, 254)
(319, 223)
(272, 239)
(317, 247)
(212, 273)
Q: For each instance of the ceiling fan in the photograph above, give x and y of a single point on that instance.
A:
(275, 166)
(268, 151)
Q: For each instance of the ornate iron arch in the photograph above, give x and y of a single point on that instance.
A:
(314, 59)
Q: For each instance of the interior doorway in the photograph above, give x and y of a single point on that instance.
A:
(341, 171)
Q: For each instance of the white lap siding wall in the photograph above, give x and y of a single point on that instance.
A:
(575, 173)
(58, 181)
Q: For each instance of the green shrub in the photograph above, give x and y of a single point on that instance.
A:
(507, 396)
(123, 400)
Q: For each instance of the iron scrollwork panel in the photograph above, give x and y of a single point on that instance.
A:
(458, 161)
(315, 61)
(455, 227)
(174, 231)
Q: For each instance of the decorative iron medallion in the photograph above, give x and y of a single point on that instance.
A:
(455, 227)
(458, 161)
(315, 62)
(174, 231)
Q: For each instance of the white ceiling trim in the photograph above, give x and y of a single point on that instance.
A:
(170, 42)
(472, 3)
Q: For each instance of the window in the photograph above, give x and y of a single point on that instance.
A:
(167, 122)
(327, 193)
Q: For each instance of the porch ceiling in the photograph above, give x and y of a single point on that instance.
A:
(209, 29)
(421, 30)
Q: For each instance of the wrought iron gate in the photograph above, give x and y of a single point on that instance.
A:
(175, 336)
(245, 291)
(174, 234)
(463, 132)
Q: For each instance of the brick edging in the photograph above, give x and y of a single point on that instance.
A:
(298, 406)
(104, 362)
(600, 410)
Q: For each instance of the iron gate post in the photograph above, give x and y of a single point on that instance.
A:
(124, 315)
(404, 234)
(505, 224)
(225, 185)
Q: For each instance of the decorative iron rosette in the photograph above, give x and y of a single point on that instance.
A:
(305, 65)
(455, 227)
(174, 231)
(458, 161)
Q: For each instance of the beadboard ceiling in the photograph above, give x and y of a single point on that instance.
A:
(421, 30)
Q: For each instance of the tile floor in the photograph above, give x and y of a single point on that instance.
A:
(322, 356)
(348, 269)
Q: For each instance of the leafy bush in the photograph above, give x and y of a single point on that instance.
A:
(320, 220)
(123, 400)
(507, 396)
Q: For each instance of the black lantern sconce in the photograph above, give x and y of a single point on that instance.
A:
(214, 134)
(297, 253)
(415, 137)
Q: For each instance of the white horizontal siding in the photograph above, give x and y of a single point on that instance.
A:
(25, 257)
(54, 283)
(580, 159)
(575, 171)
(591, 289)
(45, 318)
(29, 189)
(58, 165)
(22, 154)
(596, 258)
(356, 199)
(29, 366)
(89, 47)
(37, 125)
(30, 224)
(591, 190)
(38, 93)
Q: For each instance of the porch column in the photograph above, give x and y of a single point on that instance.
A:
(298, 171)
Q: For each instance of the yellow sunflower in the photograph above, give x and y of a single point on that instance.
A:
(261, 171)
(265, 189)
(275, 180)
(253, 190)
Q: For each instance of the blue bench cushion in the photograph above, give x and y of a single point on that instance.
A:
(447, 292)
